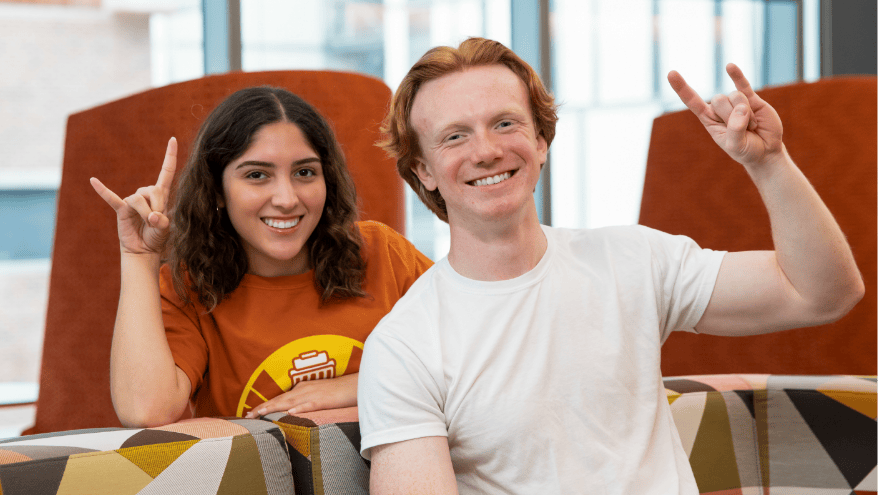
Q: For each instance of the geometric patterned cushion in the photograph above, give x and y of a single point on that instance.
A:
(324, 449)
(790, 434)
(205, 456)
(744, 435)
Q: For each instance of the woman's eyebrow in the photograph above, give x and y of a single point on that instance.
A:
(257, 163)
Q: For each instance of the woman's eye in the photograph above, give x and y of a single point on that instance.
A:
(256, 174)
(306, 172)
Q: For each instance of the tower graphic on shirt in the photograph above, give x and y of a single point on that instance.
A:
(312, 365)
(315, 357)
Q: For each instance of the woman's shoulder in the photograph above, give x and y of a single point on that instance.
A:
(374, 228)
(167, 289)
(377, 235)
(382, 241)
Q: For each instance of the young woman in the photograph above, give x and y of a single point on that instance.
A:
(270, 286)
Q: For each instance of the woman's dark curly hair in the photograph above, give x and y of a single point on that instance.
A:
(206, 254)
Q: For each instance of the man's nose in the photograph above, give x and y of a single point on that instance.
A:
(486, 148)
(284, 195)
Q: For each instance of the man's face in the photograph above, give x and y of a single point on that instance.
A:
(478, 144)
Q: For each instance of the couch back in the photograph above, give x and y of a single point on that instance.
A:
(122, 143)
(693, 188)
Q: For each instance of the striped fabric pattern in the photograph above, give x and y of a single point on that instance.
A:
(207, 456)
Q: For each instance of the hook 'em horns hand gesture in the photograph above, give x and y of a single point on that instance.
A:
(142, 222)
(741, 123)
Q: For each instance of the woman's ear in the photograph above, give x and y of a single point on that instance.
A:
(425, 174)
(220, 202)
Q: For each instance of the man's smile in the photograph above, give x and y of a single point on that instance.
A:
(494, 179)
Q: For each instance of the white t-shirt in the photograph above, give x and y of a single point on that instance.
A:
(549, 382)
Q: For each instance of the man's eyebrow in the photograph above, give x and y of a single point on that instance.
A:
(257, 163)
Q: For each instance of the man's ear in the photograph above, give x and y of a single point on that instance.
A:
(425, 174)
(542, 150)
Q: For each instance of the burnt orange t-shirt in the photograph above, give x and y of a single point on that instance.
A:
(271, 332)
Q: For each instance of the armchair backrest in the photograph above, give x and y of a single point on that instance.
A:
(122, 143)
(693, 188)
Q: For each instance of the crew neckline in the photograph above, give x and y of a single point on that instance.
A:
(526, 279)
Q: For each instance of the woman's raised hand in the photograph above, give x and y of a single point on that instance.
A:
(143, 225)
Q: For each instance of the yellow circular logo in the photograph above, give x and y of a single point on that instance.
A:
(310, 358)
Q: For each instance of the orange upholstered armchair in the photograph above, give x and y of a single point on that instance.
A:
(122, 143)
(693, 188)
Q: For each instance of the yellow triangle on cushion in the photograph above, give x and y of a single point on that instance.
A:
(862, 402)
(298, 437)
(102, 473)
(672, 396)
(153, 459)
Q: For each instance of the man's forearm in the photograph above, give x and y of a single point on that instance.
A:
(810, 247)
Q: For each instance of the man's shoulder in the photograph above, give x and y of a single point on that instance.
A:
(601, 239)
(419, 301)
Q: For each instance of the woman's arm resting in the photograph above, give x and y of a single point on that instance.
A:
(313, 395)
(421, 466)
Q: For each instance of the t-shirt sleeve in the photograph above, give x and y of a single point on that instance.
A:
(182, 329)
(405, 260)
(399, 393)
(684, 275)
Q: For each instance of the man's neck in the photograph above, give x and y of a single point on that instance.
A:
(495, 251)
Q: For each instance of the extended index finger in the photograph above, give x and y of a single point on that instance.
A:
(169, 166)
(687, 95)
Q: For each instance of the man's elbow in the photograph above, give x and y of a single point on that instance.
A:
(841, 302)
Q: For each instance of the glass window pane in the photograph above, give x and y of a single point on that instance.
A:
(687, 34)
(742, 28)
(624, 48)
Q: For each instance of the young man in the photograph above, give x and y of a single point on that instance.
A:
(527, 361)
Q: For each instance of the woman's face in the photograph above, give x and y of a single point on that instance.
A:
(274, 195)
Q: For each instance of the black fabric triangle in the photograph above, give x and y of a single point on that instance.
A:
(848, 436)
(303, 481)
(747, 398)
(33, 478)
(152, 437)
(352, 431)
(682, 385)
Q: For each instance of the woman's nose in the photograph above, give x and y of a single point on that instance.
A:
(285, 196)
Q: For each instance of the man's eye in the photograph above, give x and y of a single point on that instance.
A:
(505, 123)
(454, 137)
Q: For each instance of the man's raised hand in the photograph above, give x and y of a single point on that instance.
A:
(741, 123)
(142, 223)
